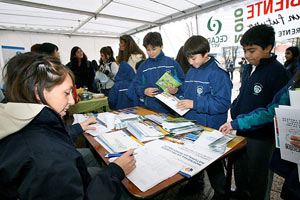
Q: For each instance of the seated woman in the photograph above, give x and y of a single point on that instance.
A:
(38, 159)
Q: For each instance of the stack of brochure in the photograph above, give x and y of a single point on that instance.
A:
(122, 119)
(158, 118)
(117, 141)
(214, 140)
(144, 131)
(181, 127)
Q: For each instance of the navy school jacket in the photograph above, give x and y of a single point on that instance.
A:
(117, 97)
(257, 90)
(209, 87)
(147, 75)
(40, 161)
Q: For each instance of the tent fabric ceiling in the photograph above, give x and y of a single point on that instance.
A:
(106, 18)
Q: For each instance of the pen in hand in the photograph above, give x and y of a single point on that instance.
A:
(112, 155)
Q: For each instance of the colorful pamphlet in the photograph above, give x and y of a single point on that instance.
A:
(167, 80)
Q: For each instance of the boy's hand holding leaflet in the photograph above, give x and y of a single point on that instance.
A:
(151, 92)
(167, 80)
(171, 101)
(185, 104)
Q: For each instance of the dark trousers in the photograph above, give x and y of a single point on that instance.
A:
(216, 176)
(253, 176)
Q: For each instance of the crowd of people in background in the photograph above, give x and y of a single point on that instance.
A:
(43, 86)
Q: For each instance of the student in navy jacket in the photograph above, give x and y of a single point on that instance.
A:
(38, 159)
(207, 92)
(152, 69)
(263, 77)
(263, 116)
(117, 97)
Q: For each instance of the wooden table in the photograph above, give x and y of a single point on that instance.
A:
(94, 105)
(235, 145)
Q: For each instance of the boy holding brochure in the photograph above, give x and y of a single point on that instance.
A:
(152, 69)
(207, 92)
(265, 115)
(262, 78)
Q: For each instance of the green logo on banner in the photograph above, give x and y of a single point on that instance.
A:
(215, 25)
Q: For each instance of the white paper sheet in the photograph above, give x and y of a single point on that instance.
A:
(78, 118)
(295, 98)
(171, 101)
(100, 129)
(152, 167)
(206, 138)
(288, 119)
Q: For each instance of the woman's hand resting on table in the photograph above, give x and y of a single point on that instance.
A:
(85, 125)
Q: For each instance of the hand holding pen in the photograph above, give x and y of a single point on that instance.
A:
(114, 155)
(126, 162)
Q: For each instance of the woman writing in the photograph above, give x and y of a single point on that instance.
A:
(37, 155)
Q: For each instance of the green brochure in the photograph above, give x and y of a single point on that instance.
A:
(167, 80)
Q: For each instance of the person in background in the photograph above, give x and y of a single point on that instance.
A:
(230, 67)
(263, 116)
(82, 69)
(117, 97)
(49, 49)
(207, 93)
(129, 52)
(152, 69)
(242, 64)
(109, 67)
(262, 78)
(292, 59)
(35, 48)
(37, 154)
(182, 60)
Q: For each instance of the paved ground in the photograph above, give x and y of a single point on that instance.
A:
(207, 193)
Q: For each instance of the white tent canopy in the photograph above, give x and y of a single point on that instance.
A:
(108, 18)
